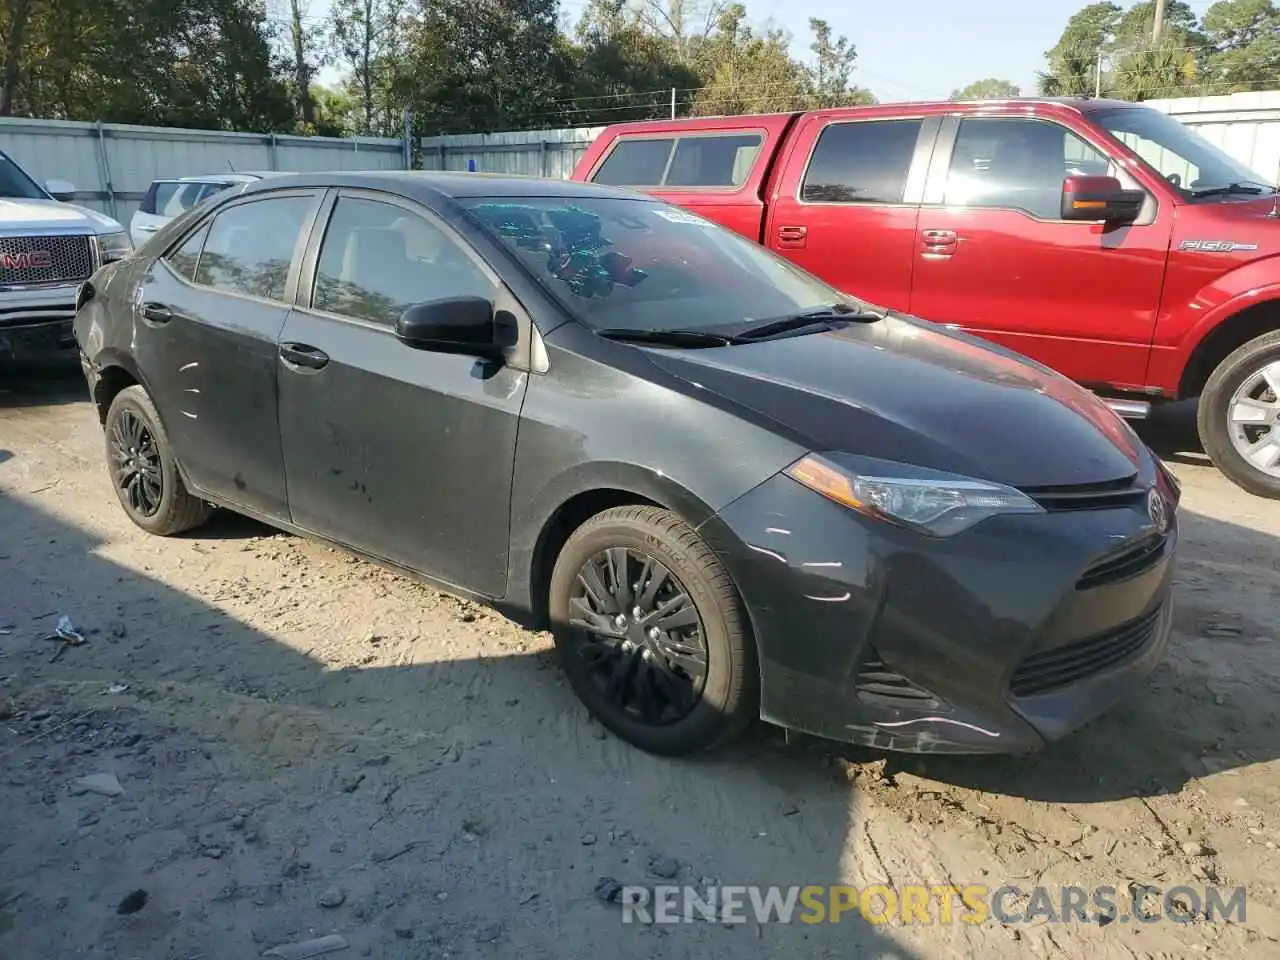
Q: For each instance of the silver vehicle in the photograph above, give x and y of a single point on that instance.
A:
(167, 199)
(47, 248)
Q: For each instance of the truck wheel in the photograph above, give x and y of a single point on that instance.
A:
(1239, 416)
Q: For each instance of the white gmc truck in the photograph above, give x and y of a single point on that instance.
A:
(47, 248)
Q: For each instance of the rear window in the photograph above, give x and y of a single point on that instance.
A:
(696, 161)
(863, 162)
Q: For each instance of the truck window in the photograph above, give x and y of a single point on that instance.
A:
(699, 161)
(635, 163)
(1019, 164)
(861, 162)
(713, 161)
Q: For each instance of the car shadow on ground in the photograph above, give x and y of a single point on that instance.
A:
(41, 386)
(479, 779)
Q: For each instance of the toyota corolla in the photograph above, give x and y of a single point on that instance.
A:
(730, 490)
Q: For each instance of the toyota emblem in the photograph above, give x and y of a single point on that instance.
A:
(1157, 510)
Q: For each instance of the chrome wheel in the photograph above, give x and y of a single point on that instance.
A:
(640, 635)
(1254, 414)
(135, 464)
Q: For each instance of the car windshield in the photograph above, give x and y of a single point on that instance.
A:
(15, 184)
(639, 264)
(1179, 154)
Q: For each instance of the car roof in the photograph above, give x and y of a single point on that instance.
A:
(427, 185)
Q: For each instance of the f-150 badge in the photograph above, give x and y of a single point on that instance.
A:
(1215, 246)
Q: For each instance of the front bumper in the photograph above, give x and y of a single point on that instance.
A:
(998, 640)
(36, 323)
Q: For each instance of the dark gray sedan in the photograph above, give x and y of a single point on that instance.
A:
(731, 490)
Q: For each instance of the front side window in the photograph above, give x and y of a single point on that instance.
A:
(1179, 154)
(862, 162)
(1018, 164)
(377, 259)
(186, 257)
(639, 264)
(250, 247)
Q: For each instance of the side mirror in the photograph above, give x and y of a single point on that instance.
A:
(61, 190)
(454, 325)
(1100, 198)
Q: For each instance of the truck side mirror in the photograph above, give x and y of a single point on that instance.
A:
(61, 190)
(1100, 198)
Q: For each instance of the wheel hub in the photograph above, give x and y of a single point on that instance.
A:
(1253, 415)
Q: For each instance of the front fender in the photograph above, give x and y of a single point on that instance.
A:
(1184, 327)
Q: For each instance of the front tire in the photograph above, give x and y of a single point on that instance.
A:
(1239, 416)
(651, 632)
(143, 470)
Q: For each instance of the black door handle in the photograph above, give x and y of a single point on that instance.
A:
(301, 355)
(156, 313)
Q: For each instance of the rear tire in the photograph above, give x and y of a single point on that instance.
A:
(688, 686)
(1239, 416)
(144, 473)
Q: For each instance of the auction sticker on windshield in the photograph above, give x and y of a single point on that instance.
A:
(679, 216)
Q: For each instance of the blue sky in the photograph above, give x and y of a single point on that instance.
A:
(918, 49)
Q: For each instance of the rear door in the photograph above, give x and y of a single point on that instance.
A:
(207, 318)
(403, 453)
(847, 200)
(994, 256)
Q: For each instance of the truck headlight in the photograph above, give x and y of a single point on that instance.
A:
(114, 246)
(934, 503)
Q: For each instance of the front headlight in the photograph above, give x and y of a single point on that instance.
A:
(934, 503)
(114, 246)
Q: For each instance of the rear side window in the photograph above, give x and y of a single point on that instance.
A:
(250, 247)
(695, 161)
(861, 162)
(172, 198)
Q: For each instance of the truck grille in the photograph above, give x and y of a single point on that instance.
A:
(1060, 666)
(58, 259)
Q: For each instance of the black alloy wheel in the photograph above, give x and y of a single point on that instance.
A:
(144, 472)
(135, 464)
(651, 632)
(640, 635)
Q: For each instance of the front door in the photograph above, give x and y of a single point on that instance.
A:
(207, 319)
(402, 453)
(994, 257)
(846, 205)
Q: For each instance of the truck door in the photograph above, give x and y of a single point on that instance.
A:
(994, 257)
(846, 202)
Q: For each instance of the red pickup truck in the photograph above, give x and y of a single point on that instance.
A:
(1101, 238)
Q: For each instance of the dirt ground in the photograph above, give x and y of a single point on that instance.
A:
(310, 745)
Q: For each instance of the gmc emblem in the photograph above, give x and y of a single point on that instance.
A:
(27, 260)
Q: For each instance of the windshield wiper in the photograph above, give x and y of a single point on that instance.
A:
(1226, 188)
(823, 317)
(667, 338)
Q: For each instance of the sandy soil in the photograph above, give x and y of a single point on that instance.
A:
(310, 745)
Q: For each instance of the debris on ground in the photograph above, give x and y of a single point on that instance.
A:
(133, 902)
(308, 948)
(66, 634)
(608, 890)
(105, 784)
(332, 897)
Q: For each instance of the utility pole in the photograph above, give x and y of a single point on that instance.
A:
(1158, 27)
(1097, 77)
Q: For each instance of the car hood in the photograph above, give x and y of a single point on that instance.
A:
(20, 217)
(904, 390)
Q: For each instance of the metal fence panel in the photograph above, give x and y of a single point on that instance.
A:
(113, 164)
(537, 153)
